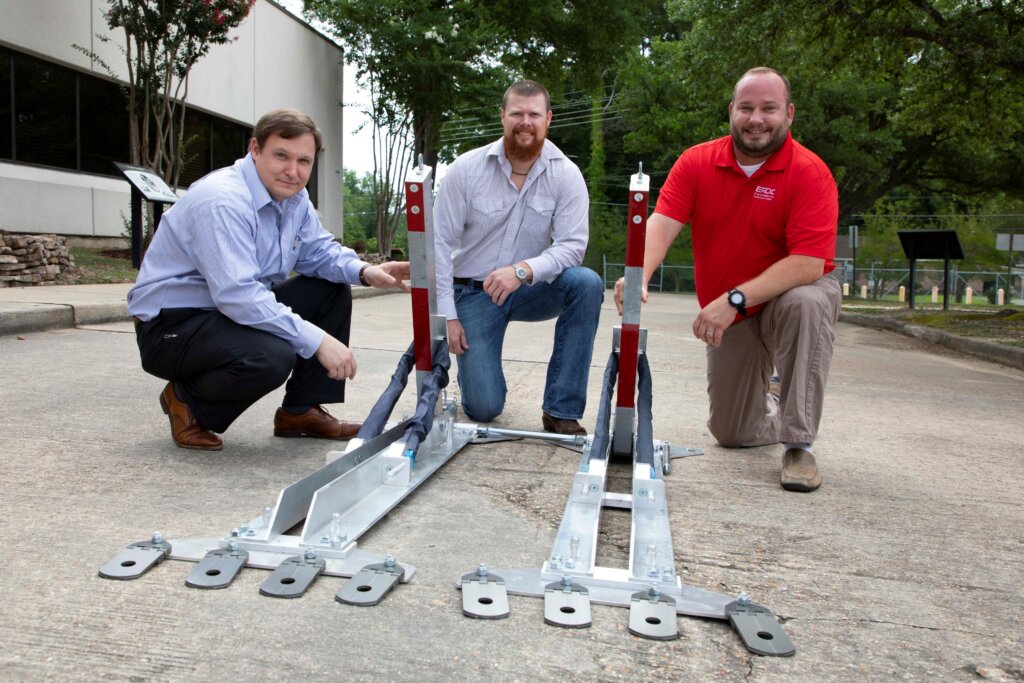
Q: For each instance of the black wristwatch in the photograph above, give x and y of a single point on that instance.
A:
(738, 300)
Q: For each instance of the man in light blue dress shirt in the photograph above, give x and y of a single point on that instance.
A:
(215, 312)
(510, 230)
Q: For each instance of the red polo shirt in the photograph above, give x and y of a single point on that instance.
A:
(742, 225)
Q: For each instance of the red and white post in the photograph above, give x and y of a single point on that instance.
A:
(428, 327)
(629, 339)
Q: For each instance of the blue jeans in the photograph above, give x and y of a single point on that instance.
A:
(575, 298)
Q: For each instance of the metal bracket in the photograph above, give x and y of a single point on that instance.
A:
(567, 604)
(653, 615)
(759, 630)
(294, 576)
(218, 568)
(484, 595)
(371, 584)
(136, 559)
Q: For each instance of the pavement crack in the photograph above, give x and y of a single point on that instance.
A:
(882, 622)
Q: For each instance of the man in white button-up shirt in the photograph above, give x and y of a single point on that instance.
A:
(512, 215)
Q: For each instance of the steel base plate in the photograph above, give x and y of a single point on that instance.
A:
(484, 597)
(653, 616)
(759, 630)
(370, 585)
(218, 569)
(567, 606)
(135, 560)
(292, 577)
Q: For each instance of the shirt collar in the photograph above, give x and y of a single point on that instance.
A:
(778, 161)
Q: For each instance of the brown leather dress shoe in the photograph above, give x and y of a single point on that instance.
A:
(315, 422)
(186, 432)
(559, 426)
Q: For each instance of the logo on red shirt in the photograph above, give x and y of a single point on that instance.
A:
(765, 193)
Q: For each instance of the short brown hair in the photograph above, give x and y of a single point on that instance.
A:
(527, 89)
(760, 71)
(288, 123)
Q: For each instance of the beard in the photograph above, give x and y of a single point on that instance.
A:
(763, 149)
(518, 152)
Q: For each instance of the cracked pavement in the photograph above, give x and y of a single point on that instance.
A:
(906, 564)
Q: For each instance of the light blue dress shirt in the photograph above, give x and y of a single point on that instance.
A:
(483, 222)
(226, 242)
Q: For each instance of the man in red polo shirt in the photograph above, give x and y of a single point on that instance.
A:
(763, 211)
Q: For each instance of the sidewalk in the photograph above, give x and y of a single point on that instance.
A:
(34, 309)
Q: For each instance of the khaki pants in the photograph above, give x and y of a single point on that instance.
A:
(793, 333)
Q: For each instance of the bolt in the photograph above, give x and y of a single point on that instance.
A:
(743, 600)
(325, 540)
(481, 569)
(310, 554)
(574, 547)
(389, 561)
(158, 537)
(593, 488)
(415, 209)
(641, 492)
(654, 593)
(413, 187)
(243, 529)
(556, 561)
(570, 564)
(638, 197)
(637, 220)
(268, 512)
(232, 545)
(250, 532)
(667, 573)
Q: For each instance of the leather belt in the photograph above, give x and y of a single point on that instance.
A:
(468, 282)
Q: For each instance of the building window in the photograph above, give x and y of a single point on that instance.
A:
(103, 125)
(45, 110)
(6, 122)
(54, 116)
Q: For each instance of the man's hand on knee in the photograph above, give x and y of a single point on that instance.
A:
(713, 320)
(457, 342)
(500, 283)
(336, 358)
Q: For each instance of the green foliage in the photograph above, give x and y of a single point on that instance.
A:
(923, 97)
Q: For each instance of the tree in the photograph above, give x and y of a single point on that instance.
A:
(914, 96)
(164, 39)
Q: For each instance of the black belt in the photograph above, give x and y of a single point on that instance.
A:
(468, 282)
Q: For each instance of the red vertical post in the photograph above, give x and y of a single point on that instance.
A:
(419, 219)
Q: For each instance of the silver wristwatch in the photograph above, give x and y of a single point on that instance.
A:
(521, 274)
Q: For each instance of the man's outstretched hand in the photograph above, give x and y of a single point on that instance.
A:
(388, 275)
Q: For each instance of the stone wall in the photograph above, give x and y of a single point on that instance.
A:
(33, 259)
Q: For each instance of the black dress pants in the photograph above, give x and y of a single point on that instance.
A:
(220, 368)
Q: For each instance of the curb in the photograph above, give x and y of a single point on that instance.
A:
(42, 317)
(991, 351)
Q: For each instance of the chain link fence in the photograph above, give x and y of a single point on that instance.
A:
(880, 282)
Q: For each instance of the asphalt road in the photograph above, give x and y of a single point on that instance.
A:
(906, 564)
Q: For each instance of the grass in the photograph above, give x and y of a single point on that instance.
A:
(1003, 324)
(99, 267)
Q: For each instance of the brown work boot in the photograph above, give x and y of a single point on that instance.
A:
(559, 426)
(185, 431)
(315, 422)
(799, 471)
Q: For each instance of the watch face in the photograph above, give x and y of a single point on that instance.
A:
(736, 298)
(521, 273)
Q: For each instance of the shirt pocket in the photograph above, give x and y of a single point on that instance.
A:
(538, 215)
(489, 213)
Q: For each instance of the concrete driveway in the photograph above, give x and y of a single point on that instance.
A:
(906, 564)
